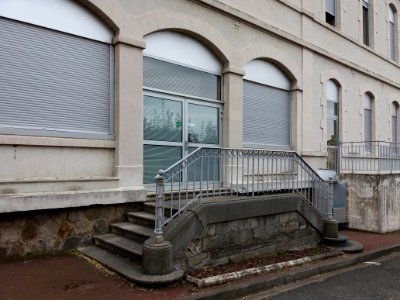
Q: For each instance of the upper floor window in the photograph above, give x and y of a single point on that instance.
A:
(366, 22)
(394, 111)
(330, 12)
(368, 121)
(392, 33)
(332, 92)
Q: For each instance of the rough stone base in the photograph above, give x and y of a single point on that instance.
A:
(236, 240)
(38, 232)
(373, 202)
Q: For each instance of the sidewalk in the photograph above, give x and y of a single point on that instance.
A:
(72, 277)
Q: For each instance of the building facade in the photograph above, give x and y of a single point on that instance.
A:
(97, 96)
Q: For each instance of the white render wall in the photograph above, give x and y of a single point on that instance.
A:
(293, 37)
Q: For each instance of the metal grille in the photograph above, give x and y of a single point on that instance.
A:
(52, 83)
(174, 78)
(369, 157)
(266, 116)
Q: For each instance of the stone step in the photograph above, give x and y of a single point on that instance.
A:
(150, 207)
(340, 240)
(132, 231)
(120, 245)
(128, 269)
(142, 218)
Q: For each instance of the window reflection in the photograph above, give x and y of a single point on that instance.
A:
(203, 124)
(162, 120)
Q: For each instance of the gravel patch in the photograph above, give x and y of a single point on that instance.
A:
(209, 271)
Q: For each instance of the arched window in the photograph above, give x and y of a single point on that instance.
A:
(332, 93)
(394, 111)
(392, 33)
(182, 100)
(368, 120)
(56, 68)
(266, 106)
(332, 128)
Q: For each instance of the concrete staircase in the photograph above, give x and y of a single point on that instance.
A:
(121, 249)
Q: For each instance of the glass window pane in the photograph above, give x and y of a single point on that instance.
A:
(162, 119)
(332, 109)
(330, 7)
(332, 132)
(158, 157)
(366, 25)
(203, 127)
(392, 39)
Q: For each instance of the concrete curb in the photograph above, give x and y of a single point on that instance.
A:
(251, 287)
(224, 278)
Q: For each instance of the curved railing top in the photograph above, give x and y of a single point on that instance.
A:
(224, 174)
(202, 152)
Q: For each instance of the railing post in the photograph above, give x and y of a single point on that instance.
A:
(159, 207)
(330, 198)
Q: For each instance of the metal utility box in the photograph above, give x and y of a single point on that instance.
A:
(339, 194)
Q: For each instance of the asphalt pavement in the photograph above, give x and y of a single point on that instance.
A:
(377, 279)
(71, 277)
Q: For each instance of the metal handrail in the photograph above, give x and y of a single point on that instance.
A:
(209, 172)
(369, 157)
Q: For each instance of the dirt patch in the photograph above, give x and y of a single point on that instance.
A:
(65, 277)
(256, 262)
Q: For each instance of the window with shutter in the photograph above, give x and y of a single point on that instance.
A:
(266, 106)
(56, 76)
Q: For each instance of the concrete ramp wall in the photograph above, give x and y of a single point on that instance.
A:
(373, 201)
(220, 230)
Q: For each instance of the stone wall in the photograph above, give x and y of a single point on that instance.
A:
(38, 232)
(220, 243)
(373, 202)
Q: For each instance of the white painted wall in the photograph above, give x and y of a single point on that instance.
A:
(264, 72)
(62, 15)
(181, 49)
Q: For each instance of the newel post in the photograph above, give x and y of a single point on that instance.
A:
(159, 217)
(157, 252)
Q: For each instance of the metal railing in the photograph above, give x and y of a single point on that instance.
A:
(369, 157)
(210, 172)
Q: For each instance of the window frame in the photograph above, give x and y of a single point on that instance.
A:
(330, 16)
(392, 33)
(366, 22)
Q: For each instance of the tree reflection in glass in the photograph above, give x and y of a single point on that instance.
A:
(162, 120)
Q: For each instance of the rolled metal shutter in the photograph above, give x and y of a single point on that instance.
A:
(330, 7)
(367, 125)
(174, 78)
(394, 130)
(266, 116)
(53, 83)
